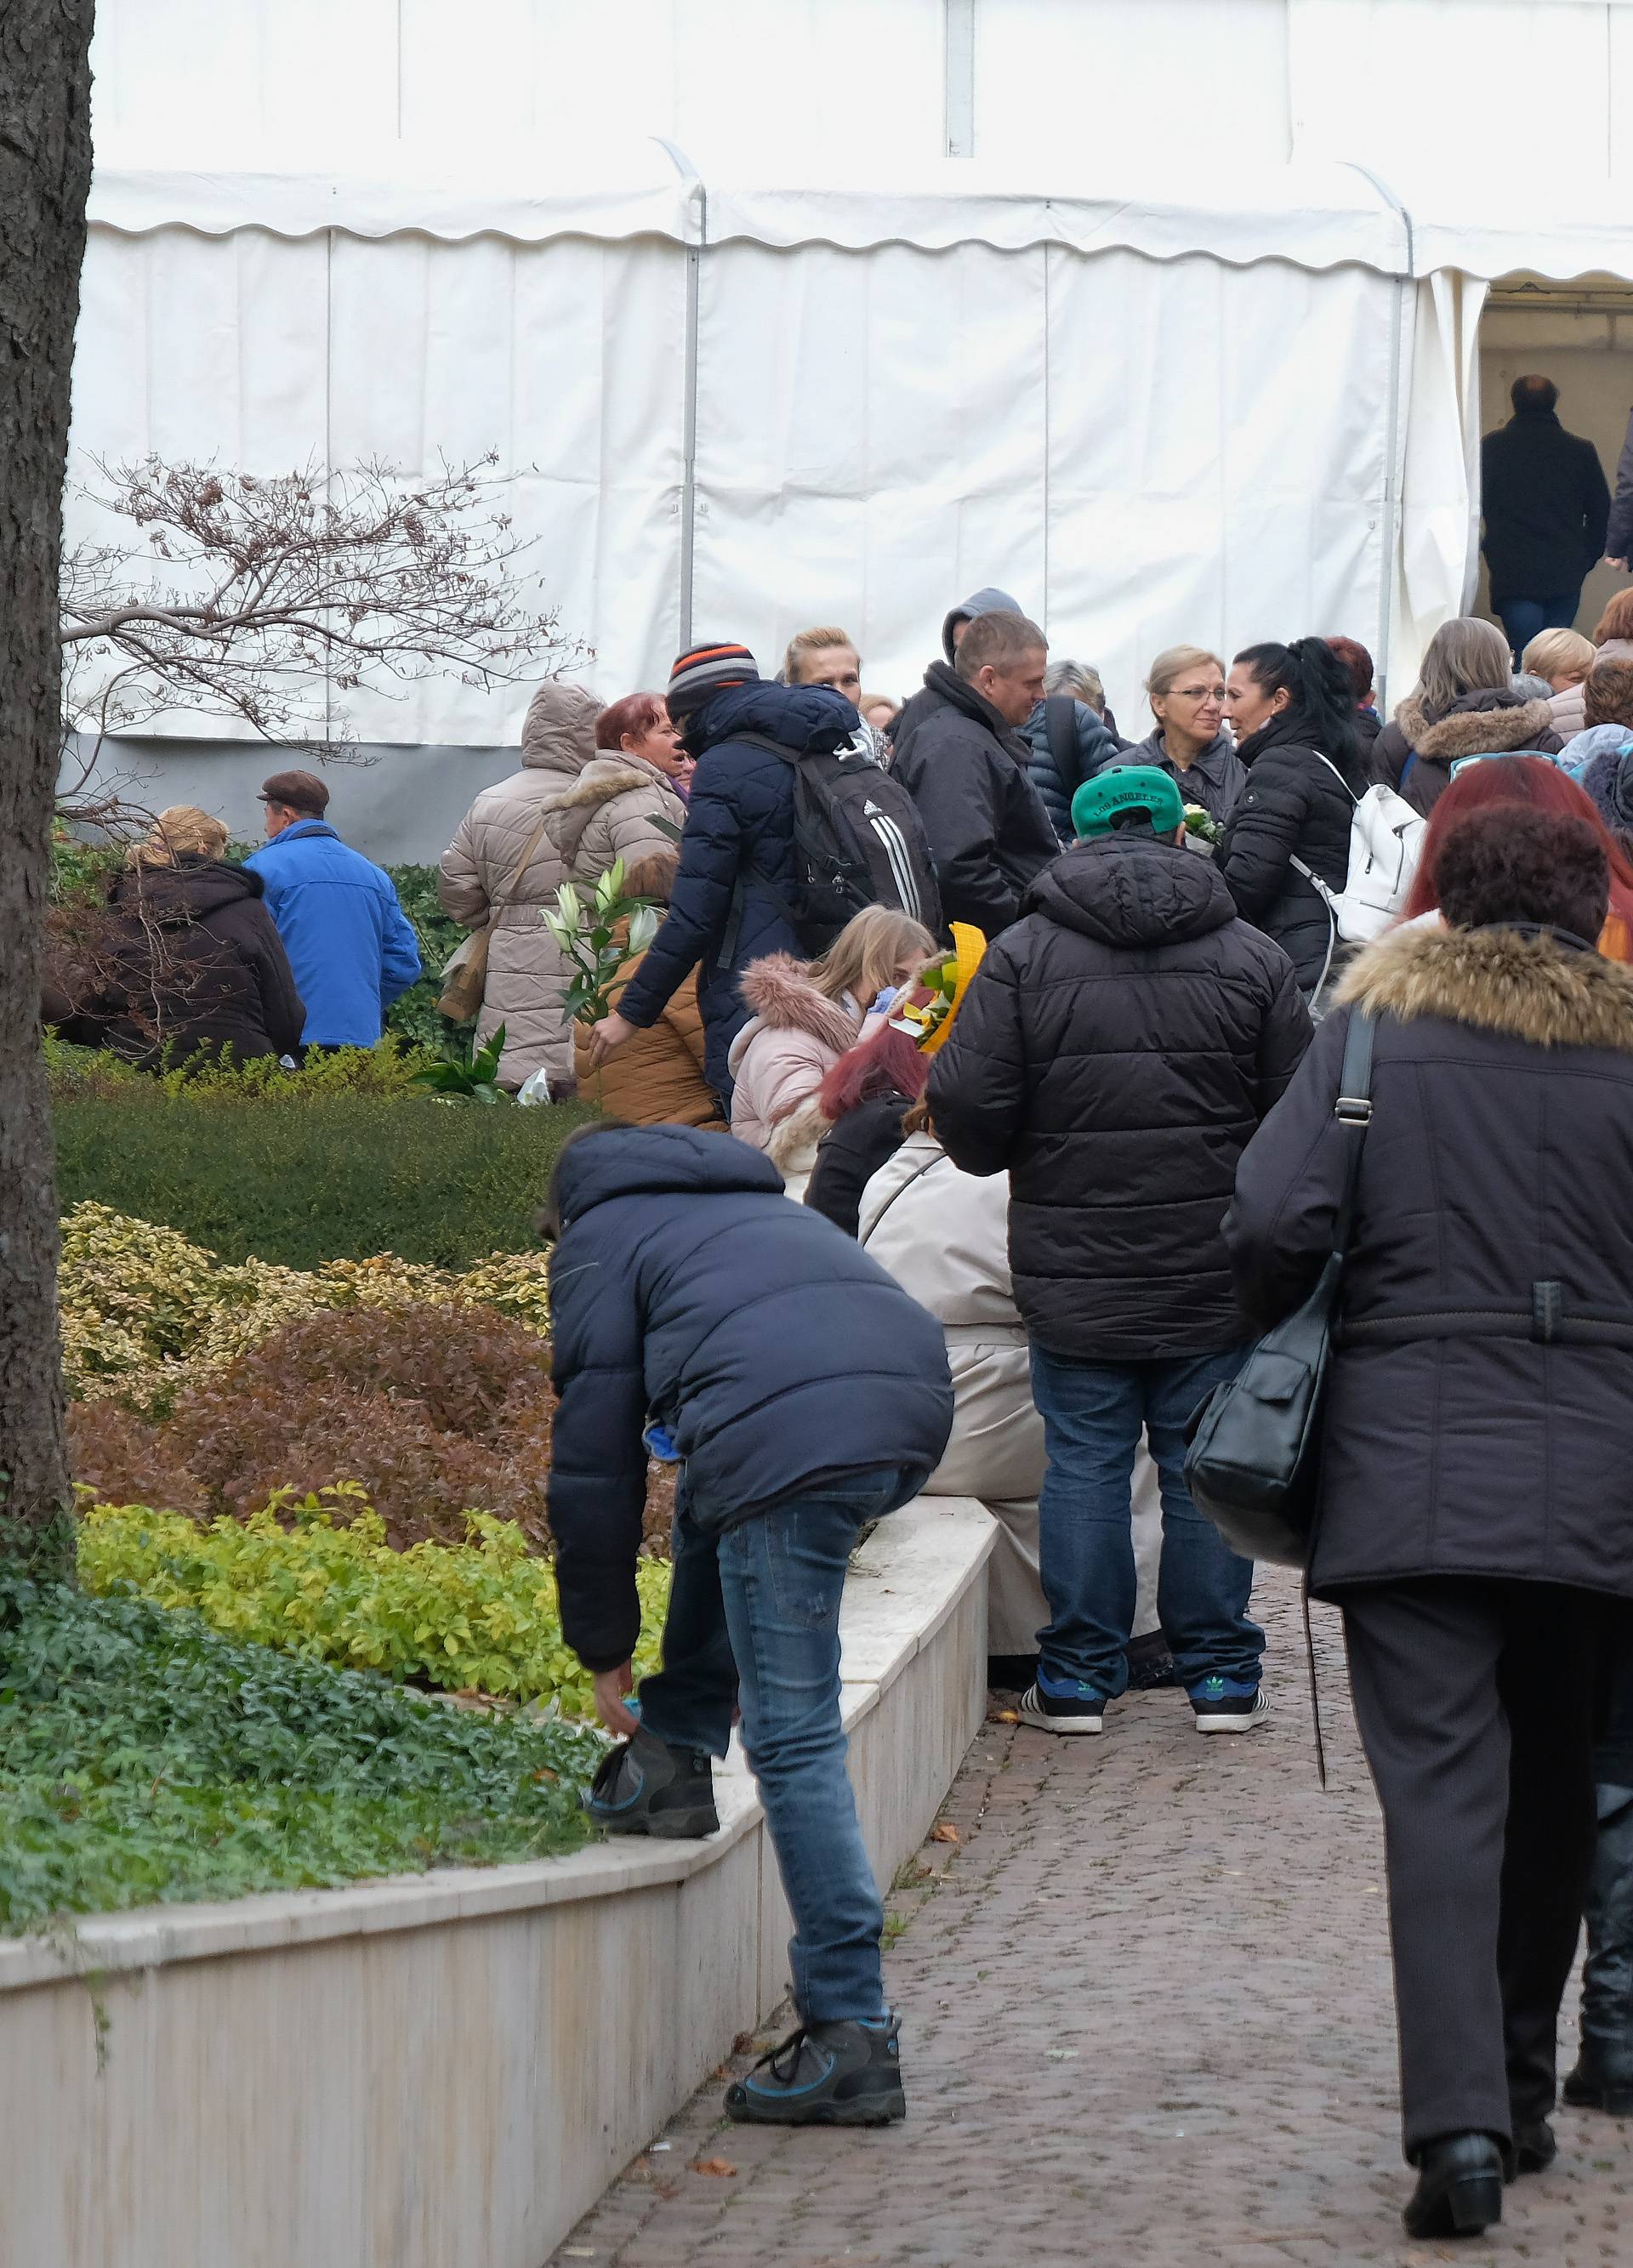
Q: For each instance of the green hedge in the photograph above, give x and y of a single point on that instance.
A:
(302, 1179)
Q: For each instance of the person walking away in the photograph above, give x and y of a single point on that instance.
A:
(1286, 844)
(186, 966)
(1619, 526)
(1463, 704)
(806, 1395)
(657, 1079)
(1186, 687)
(829, 657)
(1473, 1521)
(966, 768)
(805, 1015)
(1562, 659)
(1546, 508)
(351, 948)
(1069, 742)
(989, 601)
(1358, 662)
(736, 893)
(1117, 1050)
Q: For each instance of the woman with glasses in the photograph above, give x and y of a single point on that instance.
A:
(1187, 691)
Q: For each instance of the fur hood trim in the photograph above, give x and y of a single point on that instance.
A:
(794, 1139)
(783, 998)
(1474, 731)
(609, 775)
(1532, 989)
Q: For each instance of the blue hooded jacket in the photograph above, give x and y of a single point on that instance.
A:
(687, 1288)
(350, 945)
(739, 827)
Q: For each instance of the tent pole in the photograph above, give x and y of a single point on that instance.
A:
(1390, 507)
(699, 195)
(958, 19)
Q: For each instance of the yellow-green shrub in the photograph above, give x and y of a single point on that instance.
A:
(480, 1613)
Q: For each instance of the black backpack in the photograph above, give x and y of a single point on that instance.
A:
(858, 841)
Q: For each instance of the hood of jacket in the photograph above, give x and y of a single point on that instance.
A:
(1489, 723)
(1607, 775)
(1528, 986)
(987, 601)
(559, 733)
(1594, 740)
(194, 887)
(783, 998)
(1288, 728)
(1131, 890)
(658, 1160)
(807, 718)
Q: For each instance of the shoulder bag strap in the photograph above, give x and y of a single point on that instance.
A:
(1060, 730)
(1354, 1109)
(524, 862)
(918, 1174)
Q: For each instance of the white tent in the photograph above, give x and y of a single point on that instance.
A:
(1221, 408)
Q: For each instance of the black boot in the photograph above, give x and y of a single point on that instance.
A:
(1533, 2150)
(1603, 2078)
(1460, 2187)
(839, 2074)
(646, 1787)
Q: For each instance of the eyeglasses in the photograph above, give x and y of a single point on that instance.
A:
(1194, 693)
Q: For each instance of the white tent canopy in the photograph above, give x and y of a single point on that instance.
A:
(1224, 406)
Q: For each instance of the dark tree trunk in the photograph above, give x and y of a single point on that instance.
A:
(45, 172)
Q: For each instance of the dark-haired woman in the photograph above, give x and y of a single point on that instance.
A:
(1293, 711)
(864, 1098)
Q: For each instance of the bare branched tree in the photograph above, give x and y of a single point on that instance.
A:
(274, 600)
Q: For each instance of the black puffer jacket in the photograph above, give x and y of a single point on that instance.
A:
(686, 1287)
(849, 1155)
(1116, 1051)
(1498, 1163)
(1414, 753)
(190, 965)
(1293, 806)
(988, 830)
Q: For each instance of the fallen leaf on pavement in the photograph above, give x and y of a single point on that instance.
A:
(713, 2166)
(1006, 1716)
(944, 1832)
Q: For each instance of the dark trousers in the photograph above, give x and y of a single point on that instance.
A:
(1478, 1702)
(1522, 619)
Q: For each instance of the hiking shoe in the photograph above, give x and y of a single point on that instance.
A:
(841, 2074)
(646, 1787)
(1228, 1705)
(1083, 1710)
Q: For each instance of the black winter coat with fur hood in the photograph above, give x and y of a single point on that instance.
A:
(1495, 1191)
(1115, 1051)
(1294, 806)
(1496, 723)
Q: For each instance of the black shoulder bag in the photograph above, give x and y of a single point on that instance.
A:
(1254, 1459)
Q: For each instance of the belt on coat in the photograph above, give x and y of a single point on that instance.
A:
(984, 1335)
(1545, 1322)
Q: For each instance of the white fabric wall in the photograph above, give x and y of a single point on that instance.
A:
(1437, 557)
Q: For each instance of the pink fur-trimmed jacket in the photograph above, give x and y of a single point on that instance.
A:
(779, 1059)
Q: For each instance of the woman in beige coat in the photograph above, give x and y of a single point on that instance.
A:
(944, 1235)
(569, 813)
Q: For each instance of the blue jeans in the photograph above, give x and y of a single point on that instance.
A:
(1523, 618)
(754, 1616)
(1092, 1414)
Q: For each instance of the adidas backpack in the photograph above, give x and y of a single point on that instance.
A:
(858, 841)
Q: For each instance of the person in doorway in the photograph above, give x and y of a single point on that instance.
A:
(1463, 704)
(966, 767)
(1473, 1522)
(1292, 707)
(1358, 662)
(806, 1394)
(1115, 1052)
(350, 946)
(924, 703)
(1186, 687)
(1068, 739)
(1545, 503)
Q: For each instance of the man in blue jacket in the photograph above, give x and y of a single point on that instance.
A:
(804, 1394)
(350, 945)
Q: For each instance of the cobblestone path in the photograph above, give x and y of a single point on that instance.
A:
(1146, 2024)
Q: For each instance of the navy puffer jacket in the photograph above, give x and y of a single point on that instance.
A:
(687, 1287)
(1095, 750)
(739, 833)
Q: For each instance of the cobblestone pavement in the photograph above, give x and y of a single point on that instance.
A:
(1146, 2024)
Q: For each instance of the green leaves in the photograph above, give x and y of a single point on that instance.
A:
(600, 933)
(467, 1076)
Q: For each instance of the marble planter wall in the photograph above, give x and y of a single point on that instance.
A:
(445, 2071)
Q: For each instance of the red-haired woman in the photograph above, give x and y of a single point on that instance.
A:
(864, 1098)
(1542, 786)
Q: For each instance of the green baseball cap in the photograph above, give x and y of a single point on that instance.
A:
(1126, 796)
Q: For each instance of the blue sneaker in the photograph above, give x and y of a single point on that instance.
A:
(1063, 1707)
(1229, 1705)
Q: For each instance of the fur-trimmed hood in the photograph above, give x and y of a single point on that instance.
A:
(1533, 988)
(1480, 724)
(783, 998)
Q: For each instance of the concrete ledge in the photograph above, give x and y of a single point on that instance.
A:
(444, 2070)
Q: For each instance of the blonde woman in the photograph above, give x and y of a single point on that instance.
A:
(829, 658)
(1186, 687)
(1562, 660)
(188, 964)
(806, 1014)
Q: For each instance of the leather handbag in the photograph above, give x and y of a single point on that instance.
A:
(1253, 1466)
(465, 976)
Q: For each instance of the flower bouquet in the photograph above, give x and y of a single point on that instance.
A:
(600, 931)
(1202, 832)
(925, 1009)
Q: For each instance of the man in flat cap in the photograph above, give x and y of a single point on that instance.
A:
(350, 945)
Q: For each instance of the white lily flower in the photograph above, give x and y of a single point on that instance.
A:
(643, 927)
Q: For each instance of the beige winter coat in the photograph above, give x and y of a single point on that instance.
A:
(944, 1235)
(613, 799)
(779, 1059)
